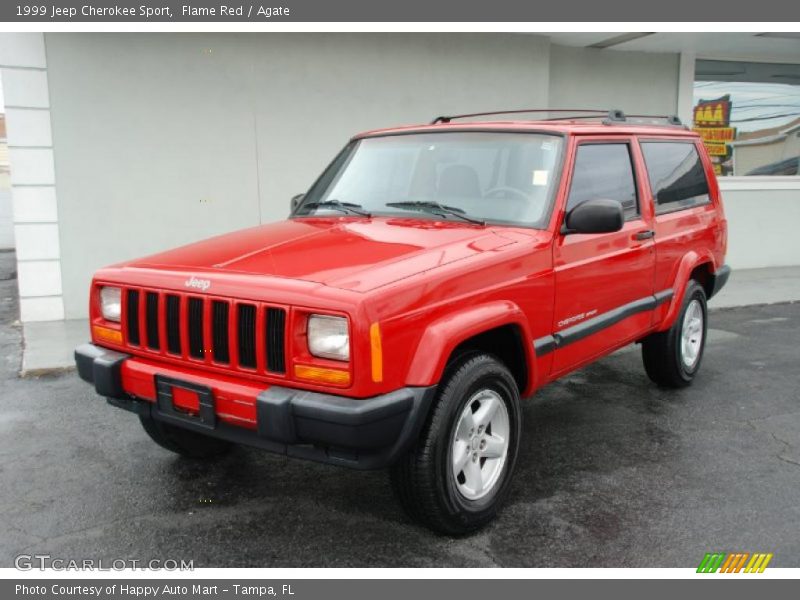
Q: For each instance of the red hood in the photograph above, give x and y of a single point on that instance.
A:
(346, 253)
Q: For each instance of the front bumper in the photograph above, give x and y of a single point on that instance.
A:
(358, 433)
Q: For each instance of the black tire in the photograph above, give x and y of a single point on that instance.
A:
(423, 480)
(662, 352)
(184, 442)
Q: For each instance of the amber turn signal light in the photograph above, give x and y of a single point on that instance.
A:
(107, 334)
(322, 375)
(377, 352)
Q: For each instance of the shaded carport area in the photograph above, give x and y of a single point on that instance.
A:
(613, 472)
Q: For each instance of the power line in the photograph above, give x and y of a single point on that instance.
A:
(766, 118)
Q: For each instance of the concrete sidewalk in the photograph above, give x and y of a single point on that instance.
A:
(759, 286)
(48, 345)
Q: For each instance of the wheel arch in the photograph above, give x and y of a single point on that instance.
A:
(698, 266)
(498, 328)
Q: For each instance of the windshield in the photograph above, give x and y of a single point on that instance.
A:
(469, 176)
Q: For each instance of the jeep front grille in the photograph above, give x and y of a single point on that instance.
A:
(241, 335)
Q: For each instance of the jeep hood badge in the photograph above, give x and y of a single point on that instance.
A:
(200, 284)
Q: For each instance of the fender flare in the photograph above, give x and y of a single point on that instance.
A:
(446, 333)
(689, 263)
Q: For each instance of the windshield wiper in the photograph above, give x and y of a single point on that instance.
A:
(347, 207)
(434, 207)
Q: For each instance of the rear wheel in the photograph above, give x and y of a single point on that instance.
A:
(459, 473)
(672, 358)
(182, 441)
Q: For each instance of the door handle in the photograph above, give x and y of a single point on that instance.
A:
(645, 235)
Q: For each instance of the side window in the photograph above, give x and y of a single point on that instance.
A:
(604, 171)
(676, 175)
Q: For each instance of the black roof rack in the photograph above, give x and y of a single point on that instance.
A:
(609, 117)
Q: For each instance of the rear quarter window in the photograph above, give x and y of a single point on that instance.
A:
(677, 177)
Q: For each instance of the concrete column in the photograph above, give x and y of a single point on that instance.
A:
(686, 87)
(23, 65)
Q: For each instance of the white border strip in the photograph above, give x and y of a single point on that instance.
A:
(404, 573)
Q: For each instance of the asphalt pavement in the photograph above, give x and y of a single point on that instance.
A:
(613, 472)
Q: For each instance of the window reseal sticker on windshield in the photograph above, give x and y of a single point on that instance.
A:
(540, 178)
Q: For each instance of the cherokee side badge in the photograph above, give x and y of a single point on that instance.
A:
(200, 284)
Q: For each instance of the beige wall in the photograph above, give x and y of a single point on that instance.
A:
(762, 223)
(161, 139)
(632, 81)
(165, 139)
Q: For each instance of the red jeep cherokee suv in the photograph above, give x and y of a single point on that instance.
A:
(430, 278)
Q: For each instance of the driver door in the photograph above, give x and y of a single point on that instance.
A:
(604, 282)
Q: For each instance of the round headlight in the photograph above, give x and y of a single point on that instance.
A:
(111, 303)
(328, 337)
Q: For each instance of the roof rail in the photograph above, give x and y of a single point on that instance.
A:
(585, 112)
(673, 120)
(609, 117)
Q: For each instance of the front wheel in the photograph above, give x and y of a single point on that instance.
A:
(672, 358)
(458, 474)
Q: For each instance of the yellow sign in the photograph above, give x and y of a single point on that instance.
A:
(717, 148)
(709, 114)
(716, 134)
(713, 113)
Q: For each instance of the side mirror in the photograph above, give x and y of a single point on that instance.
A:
(296, 200)
(598, 215)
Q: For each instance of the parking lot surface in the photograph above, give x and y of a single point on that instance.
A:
(613, 472)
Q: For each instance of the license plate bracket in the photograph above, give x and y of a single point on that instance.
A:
(205, 417)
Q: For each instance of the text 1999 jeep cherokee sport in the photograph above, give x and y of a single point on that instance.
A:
(430, 278)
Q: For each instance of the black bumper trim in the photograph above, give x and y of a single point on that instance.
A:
(719, 279)
(366, 433)
(545, 345)
(101, 367)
